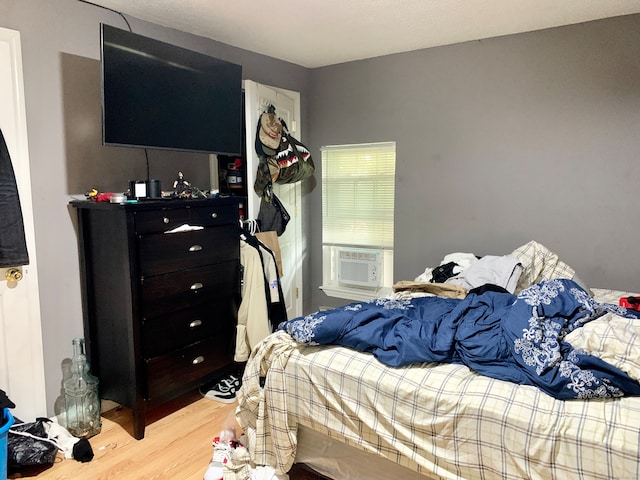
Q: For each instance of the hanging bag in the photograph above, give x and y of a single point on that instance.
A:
(288, 159)
(272, 214)
(293, 158)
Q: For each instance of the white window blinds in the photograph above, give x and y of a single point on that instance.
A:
(358, 187)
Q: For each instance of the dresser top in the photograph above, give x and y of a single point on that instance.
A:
(156, 204)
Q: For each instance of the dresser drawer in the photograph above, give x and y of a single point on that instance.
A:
(187, 288)
(187, 366)
(154, 221)
(175, 330)
(168, 252)
(214, 215)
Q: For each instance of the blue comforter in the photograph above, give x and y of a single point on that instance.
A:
(500, 335)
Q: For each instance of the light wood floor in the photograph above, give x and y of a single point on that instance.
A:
(176, 446)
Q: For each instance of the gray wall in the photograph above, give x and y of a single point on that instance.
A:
(60, 47)
(501, 141)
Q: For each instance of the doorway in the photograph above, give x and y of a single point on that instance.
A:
(287, 103)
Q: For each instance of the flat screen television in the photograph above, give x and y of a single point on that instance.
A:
(158, 95)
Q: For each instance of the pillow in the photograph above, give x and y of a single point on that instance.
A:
(612, 338)
(539, 263)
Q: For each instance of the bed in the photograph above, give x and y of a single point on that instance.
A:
(344, 413)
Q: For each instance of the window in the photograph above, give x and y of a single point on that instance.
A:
(358, 187)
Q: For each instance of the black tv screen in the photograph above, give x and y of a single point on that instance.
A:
(162, 96)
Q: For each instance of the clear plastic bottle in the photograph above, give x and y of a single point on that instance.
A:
(81, 396)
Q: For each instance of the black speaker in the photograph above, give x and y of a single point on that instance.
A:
(153, 189)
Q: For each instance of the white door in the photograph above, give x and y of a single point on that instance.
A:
(287, 103)
(21, 357)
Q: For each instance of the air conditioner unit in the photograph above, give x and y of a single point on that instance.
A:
(359, 267)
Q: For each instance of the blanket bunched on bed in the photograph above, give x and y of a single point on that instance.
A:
(500, 335)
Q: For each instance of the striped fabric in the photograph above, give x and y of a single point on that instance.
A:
(442, 421)
(539, 263)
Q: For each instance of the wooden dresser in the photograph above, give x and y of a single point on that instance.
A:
(160, 309)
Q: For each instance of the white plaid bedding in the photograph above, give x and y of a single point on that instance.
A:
(440, 420)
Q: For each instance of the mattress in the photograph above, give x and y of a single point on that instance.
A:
(438, 421)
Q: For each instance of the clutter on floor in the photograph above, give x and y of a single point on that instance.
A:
(231, 460)
(33, 445)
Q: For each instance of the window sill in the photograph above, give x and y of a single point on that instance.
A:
(356, 294)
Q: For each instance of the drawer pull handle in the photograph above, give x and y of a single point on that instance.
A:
(197, 360)
(165, 220)
(195, 323)
(195, 248)
(214, 215)
(196, 286)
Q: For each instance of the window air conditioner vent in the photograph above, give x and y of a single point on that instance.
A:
(359, 267)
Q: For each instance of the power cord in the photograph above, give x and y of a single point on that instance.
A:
(109, 9)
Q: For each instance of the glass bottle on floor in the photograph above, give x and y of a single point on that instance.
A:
(81, 396)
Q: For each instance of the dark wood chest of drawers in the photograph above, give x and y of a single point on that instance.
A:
(160, 309)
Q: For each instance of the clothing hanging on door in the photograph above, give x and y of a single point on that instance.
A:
(253, 314)
(13, 245)
(262, 306)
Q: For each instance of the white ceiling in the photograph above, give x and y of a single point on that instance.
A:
(315, 33)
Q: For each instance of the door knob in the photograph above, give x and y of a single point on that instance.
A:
(13, 275)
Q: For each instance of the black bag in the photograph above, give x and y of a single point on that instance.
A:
(29, 447)
(272, 214)
(293, 159)
(32, 447)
